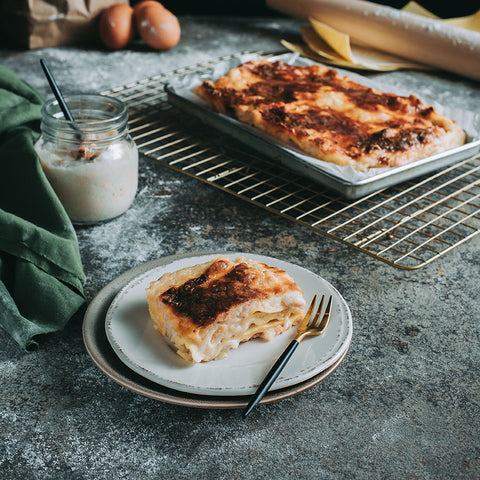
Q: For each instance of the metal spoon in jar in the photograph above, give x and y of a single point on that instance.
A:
(59, 96)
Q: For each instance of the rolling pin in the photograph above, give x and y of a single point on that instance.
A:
(421, 39)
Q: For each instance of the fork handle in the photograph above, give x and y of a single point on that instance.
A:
(271, 377)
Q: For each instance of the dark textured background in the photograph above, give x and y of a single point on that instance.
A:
(403, 404)
(259, 7)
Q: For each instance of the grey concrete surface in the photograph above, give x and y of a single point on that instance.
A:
(404, 404)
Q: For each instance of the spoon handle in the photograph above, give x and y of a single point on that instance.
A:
(56, 91)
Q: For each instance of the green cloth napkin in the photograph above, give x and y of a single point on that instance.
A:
(41, 274)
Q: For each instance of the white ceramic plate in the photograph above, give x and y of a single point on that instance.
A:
(134, 339)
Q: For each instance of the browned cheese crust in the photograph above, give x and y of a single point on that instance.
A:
(330, 116)
(224, 285)
(207, 309)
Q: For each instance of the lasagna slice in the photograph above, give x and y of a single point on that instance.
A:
(331, 117)
(206, 310)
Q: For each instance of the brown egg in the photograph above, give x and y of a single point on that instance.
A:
(158, 27)
(116, 27)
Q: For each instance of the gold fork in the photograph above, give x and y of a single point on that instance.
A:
(310, 325)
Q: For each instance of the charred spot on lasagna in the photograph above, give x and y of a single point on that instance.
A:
(202, 299)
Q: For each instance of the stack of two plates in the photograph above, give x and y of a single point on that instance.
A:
(122, 342)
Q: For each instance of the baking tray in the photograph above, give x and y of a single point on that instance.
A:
(331, 176)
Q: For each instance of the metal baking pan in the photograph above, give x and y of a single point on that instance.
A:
(295, 161)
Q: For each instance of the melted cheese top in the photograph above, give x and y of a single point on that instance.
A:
(223, 286)
(330, 116)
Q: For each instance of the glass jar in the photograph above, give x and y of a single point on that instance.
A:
(92, 164)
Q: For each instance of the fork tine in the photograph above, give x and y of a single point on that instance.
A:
(307, 318)
(315, 320)
(326, 315)
(310, 308)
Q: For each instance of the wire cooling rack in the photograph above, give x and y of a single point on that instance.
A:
(406, 226)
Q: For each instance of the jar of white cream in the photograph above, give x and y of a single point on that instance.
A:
(92, 164)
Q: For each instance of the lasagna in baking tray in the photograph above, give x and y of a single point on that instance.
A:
(330, 116)
(206, 310)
